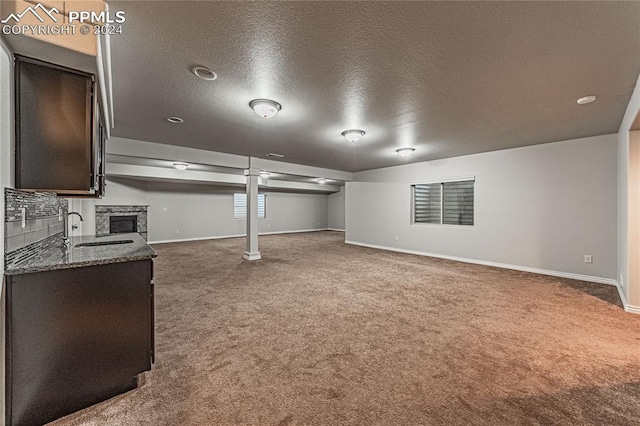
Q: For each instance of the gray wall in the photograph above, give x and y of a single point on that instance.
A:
(189, 211)
(336, 210)
(541, 207)
(197, 212)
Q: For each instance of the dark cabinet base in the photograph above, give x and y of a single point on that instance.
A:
(75, 337)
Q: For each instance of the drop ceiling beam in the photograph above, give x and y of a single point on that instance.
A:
(299, 170)
(135, 171)
(210, 178)
(300, 186)
(158, 151)
(142, 149)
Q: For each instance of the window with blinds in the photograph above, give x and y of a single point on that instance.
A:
(240, 205)
(427, 204)
(448, 203)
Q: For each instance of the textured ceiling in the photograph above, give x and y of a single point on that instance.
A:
(447, 78)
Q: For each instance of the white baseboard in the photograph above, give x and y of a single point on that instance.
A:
(627, 307)
(219, 237)
(569, 275)
(632, 309)
(335, 229)
(293, 232)
(185, 240)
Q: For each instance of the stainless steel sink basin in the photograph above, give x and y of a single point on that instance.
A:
(103, 243)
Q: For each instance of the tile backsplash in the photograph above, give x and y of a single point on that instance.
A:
(43, 226)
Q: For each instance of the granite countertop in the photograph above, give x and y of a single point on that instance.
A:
(77, 257)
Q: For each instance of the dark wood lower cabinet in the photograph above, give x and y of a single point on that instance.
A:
(75, 337)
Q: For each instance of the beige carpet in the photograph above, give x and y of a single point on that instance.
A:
(323, 333)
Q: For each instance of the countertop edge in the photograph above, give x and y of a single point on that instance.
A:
(81, 264)
(81, 253)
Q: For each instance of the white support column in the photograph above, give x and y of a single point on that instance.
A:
(252, 252)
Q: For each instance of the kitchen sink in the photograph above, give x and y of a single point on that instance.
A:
(103, 243)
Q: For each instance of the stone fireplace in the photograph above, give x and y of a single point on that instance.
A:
(116, 219)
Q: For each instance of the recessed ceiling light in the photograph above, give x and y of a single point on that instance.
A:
(586, 99)
(265, 108)
(274, 155)
(175, 120)
(405, 152)
(353, 135)
(204, 73)
(322, 181)
(180, 166)
(265, 174)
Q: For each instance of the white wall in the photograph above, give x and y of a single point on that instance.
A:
(622, 216)
(6, 177)
(629, 281)
(542, 207)
(633, 227)
(203, 211)
(336, 209)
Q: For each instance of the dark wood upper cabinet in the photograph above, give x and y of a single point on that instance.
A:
(59, 130)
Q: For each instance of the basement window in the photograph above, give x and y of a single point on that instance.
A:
(240, 205)
(448, 202)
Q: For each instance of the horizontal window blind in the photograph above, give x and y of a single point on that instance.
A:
(447, 202)
(427, 203)
(240, 205)
(262, 206)
(458, 203)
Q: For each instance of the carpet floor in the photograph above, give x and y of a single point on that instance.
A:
(324, 333)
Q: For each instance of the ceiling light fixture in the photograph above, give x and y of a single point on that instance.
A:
(265, 108)
(175, 120)
(180, 166)
(265, 174)
(322, 181)
(274, 155)
(586, 99)
(353, 135)
(405, 152)
(204, 73)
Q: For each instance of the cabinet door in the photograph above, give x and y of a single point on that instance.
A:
(54, 128)
(152, 318)
(75, 337)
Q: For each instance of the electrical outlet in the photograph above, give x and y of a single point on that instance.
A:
(177, 231)
(396, 238)
(164, 209)
(588, 258)
(621, 279)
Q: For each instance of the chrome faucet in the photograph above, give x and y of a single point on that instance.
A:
(65, 235)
